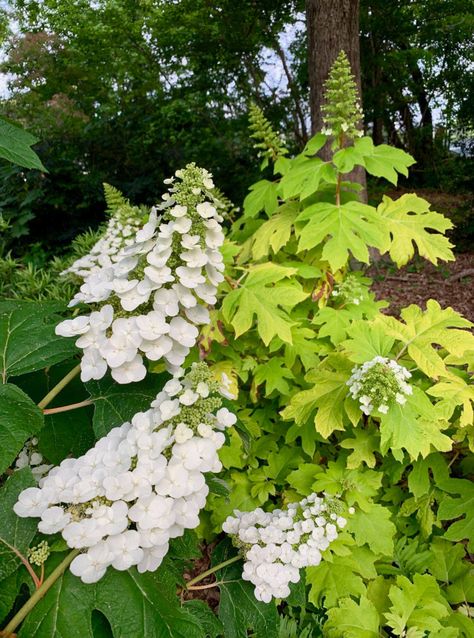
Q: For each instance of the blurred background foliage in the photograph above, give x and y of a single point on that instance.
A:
(127, 91)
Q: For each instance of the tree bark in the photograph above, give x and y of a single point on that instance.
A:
(332, 26)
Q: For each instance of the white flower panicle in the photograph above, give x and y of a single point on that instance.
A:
(378, 383)
(350, 290)
(140, 485)
(119, 233)
(150, 301)
(276, 545)
(30, 457)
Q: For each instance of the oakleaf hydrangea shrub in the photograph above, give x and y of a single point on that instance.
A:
(149, 286)
(140, 485)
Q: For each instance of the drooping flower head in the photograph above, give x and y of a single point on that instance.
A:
(150, 299)
(140, 485)
(378, 383)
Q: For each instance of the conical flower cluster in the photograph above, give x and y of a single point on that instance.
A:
(149, 302)
(276, 545)
(140, 485)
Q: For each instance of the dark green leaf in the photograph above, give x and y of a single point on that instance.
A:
(20, 418)
(15, 146)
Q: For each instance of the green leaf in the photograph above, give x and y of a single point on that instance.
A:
(274, 375)
(27, 338)
(239, 610)
(15, 146)
(14, 531)
(304, 177)
(315, 144)
(418, 604)
(20, 418)
(373, 525)
(367, 340)
(262, 295)
(304, 347)
(447, 564)
(352, 620)
(410, 222)
(422, 330)
(115, 404)
(462, 508)
(419, 479)
(455, 391)
(363, 446)
(276, 232)
(331, 582)
(134, 604)
(381, 161)
(208, 621)
(262, 196)
(351, 228)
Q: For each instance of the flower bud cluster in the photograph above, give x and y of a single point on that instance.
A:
(150, 301)
(350, 290)
(276, 545)
(379, 382)
(39, 554)
(140, 485)
(30, 457)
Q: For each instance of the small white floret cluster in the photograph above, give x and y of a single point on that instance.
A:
(140, 485)
(150, 302)
(30, 457)
(119, 233)
(276, 545)
(379, 382)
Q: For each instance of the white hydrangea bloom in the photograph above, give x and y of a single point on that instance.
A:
(378, 383)
(140, 485)
(30, 457)
(278, 544)
(153, 287)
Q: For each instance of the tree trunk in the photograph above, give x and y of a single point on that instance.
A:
(332, 26)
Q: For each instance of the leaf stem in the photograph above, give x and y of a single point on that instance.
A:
(59, 386)
(212, 570)
(38, 594)
(66, 408)
(25, 562)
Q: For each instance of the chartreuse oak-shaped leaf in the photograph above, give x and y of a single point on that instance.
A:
(353, 620)
(14, 531)
(15, 146)
(326, 397)
(330, 582)
(456, 391)
(421, 331)
(304, 177)
(20, 419)
(414, 427)
(410, 222)
(381, 161)
(461, 508)
(363, 446)
(418, 604)
(346, 229)
(239, 610)
(275, 233)
(262, 196)
(27, 338)
(266, 297)
(366, 341)
(275, 375)
(373, 525)
(134, 604)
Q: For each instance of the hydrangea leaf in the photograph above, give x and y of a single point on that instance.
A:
(334, 323)
(413, 427)
(15, 146)
(363, 446)
(346, 229)
(326, 397)
(419, 479)
(27, 338)
(330, 582)
(381, 160)
(447, 564)
(14, 531)
(275, 375)
(367, 341)
(263, 294)
(115, 404)
(461, 508)
(304, 347)
(20, 419)
(304, 177)
(302, 479)
(453, 392)
(262, 196)
(410, 222)
(373, 525)
(134, 604)
(462, 590)
(418, 604)
(239, 610)
(353, 620)
(275, 233)
(420, 331)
